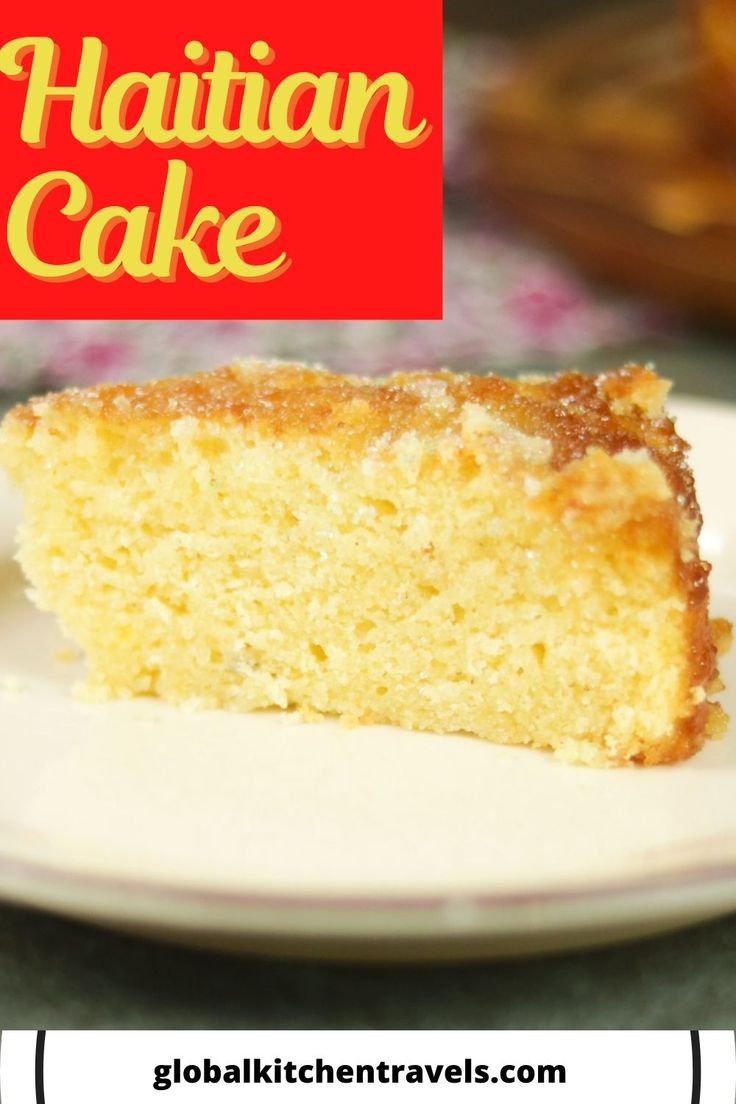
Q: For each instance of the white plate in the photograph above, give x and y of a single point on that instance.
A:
(250, 832)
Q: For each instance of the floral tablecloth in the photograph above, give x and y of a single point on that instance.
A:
(508, 301)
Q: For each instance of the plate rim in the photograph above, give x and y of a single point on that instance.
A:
(695, 877)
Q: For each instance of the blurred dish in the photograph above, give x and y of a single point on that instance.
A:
(715, 29)
(597, 141)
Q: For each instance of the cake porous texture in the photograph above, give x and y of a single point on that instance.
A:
(513, 559)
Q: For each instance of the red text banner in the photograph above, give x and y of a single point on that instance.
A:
(269, 160)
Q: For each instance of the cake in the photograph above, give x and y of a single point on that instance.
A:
(512, 559)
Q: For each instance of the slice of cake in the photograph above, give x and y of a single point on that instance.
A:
(513, 559)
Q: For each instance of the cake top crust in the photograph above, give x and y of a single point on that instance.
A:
(617, 410)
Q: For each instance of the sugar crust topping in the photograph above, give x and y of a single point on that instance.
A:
(615, 411)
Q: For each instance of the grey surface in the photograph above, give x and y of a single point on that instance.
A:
(58, 974)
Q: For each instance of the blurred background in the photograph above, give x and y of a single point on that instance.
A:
(518, 18)
(590, 168)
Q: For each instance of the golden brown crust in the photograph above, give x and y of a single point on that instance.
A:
(614, 411)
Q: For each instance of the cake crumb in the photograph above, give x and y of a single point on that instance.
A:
(717, 722)
(722, 634)
(67, 655)
(11, 686)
